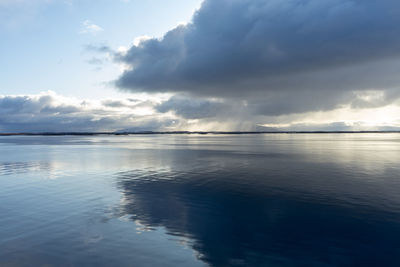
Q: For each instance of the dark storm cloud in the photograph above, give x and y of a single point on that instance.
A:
(192, 108)
(276, 103)
(255, 48)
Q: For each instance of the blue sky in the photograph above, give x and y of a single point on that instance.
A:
(130, 65)
(43, 42)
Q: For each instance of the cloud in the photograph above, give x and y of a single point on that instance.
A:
(293, 55)
(364, 110)
(192, 108)
(49, 112)
(98, 55)
(102, 48)
(95, 61)
(89, 27)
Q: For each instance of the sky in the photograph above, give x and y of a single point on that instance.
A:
(212, 65)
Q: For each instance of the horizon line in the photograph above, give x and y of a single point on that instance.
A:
(182, 132)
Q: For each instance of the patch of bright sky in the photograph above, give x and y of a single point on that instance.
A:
(358, 119)
(43, 41)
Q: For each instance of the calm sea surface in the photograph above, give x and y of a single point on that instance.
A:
(200, 200)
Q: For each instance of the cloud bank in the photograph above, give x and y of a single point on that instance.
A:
(49, 112)
(283, 56)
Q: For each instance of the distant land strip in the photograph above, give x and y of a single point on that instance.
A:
(185, 132)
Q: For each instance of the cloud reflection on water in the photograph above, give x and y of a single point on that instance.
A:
(269, 208)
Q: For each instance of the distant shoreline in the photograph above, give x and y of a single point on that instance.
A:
(185, 133)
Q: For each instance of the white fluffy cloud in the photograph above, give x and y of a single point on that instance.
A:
(89, 27)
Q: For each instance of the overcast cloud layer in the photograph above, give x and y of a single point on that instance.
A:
(281, 56)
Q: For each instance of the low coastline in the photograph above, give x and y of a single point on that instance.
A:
(188, 132)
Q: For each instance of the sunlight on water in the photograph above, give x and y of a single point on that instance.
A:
(195, 200)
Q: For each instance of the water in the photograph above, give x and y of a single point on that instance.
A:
(200, 200)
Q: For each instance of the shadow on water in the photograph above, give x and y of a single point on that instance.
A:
(256, 216)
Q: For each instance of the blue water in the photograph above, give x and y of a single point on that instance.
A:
(200, 200)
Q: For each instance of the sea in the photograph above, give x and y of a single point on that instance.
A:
(284, 199)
